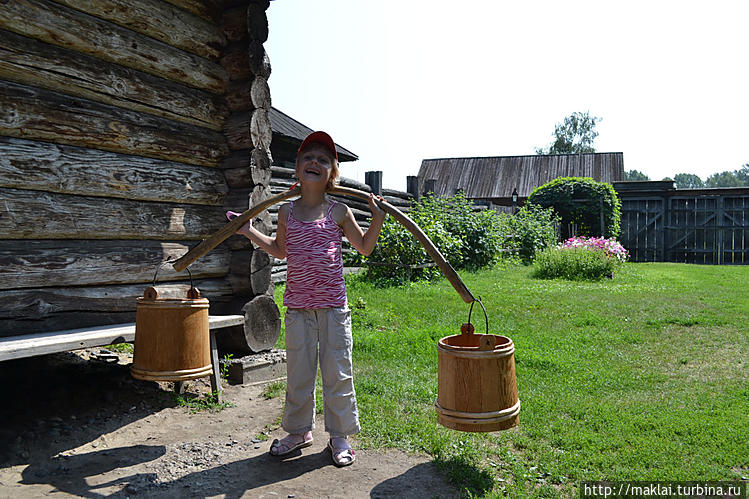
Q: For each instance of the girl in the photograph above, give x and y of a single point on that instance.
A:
(309, 237)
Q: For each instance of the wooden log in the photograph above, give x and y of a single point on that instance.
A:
(65, 27)
(260, 166)
(45, 263)
(236, 61)
(28, 311)
(234, 23)
(237, 159)
(261, 159)
(44, 215)
(31, 113)
(261, 330)
(239, 178)
(261, 130)
(260, 176)
(28, 61)
(257, 23)
(260, 93)
(238, 199)
(280, 172)
(258, 59)
(261, 268)
(209, 10)
(44, 166)
(239, 96)
(158, 20)
(237, 131)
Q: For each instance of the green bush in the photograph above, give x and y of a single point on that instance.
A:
(397, 250)
(529, 231)
(574, 264)
(468, 239)
(579, 200)
(478, 231)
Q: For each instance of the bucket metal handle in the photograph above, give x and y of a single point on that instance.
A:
(151, 293)
(487, 341)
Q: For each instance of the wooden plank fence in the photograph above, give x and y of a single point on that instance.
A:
(705, 226)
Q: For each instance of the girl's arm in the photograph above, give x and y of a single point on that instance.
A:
(363, 242)
(275, 246)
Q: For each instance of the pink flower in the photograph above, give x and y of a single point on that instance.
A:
(611, 247)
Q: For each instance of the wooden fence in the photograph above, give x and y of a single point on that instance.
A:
(663, 224)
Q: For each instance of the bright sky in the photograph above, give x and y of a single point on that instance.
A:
(398, 81)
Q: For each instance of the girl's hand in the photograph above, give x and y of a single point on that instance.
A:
(377, 212)
(245, 229)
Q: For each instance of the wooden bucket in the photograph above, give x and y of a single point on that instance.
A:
(477, 388)
(172, 337)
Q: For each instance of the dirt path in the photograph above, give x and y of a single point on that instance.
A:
(77, 427)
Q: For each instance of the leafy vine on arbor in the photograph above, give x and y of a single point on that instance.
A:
(580, 200)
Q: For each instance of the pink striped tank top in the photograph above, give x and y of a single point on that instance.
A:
(314, 274)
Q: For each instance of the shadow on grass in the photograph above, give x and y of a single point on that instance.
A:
(463, 473)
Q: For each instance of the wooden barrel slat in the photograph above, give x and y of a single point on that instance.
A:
(172, 339)
(477, 389)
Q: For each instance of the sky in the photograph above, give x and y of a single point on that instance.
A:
(399, 81)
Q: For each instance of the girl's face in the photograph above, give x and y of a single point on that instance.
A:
(314, 165)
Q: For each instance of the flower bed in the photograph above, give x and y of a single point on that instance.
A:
(581, 258)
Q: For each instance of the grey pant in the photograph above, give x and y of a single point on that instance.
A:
(330, 329)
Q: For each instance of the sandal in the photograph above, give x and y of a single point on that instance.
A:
(342, 456)
(284, 447)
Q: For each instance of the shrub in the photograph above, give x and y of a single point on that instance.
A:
(478, 231)
(579, 200)
(529, 231)
(397, 250)
(581, 258)
(467, 239)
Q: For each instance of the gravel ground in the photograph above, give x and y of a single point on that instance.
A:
(77, 424)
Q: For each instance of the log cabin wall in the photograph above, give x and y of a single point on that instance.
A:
(127, 128)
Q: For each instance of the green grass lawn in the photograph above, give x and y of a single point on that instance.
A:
(643, 377)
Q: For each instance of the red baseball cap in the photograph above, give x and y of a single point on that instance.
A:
(319, 138)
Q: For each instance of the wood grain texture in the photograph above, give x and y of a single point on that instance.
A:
(159, 20)
(27, 311)
(49, 263)
(34, 63)
(209, 10)
(44, 166)
(65, 27)
(44, 215)
(31, 113)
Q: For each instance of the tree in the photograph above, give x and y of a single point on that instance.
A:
(688, 181)
(575, 135)
(736, 178)
(635, 175)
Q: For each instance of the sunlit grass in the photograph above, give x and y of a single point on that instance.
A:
(643, 377)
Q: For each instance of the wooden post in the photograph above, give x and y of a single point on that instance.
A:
(374, 181)
(412, 186)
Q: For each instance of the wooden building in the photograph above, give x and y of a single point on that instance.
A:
(127, 128)
(494, 178)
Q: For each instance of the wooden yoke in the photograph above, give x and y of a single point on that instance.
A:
(217, 238)
(414, 229)
(231, 228)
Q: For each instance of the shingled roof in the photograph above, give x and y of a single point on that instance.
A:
(495, 177)
(286, 127)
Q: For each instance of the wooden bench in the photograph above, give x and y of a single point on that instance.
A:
(31, 345)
